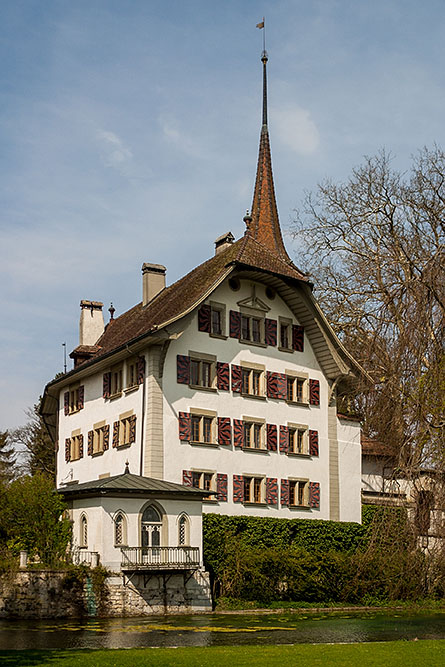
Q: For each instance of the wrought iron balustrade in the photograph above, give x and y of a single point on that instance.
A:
(153, 558)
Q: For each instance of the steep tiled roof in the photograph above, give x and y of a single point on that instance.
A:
(178, 299)
(371, 447)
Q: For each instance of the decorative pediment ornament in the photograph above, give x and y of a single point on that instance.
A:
(254, 302)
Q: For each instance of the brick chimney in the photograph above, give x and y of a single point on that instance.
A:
(153, 281)
(91, 326)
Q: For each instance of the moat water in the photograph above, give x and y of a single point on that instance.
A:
(222, 629)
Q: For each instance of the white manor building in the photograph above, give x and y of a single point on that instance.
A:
(216, 394)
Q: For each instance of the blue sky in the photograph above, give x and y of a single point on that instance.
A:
(129, 133)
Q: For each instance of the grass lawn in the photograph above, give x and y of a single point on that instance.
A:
(390, 654)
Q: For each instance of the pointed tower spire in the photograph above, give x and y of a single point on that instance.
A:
(265, 225)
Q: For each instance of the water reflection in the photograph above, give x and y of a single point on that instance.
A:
(220, 629)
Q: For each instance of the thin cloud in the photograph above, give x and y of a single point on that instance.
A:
(296, 130)
(115, 153)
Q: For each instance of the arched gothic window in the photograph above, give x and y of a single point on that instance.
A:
(151, 524)
(183, 531)
(83, 541)
(120, 530)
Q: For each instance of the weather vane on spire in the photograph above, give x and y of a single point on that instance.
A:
(264, 59)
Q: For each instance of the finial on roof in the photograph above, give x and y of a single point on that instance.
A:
(111, 310)
(265, 224)
(127, 468)
(247, 220)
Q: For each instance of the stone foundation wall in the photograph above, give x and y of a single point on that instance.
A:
(59, 594)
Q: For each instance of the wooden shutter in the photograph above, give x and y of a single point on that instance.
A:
(106, 385)
(141, 369)
(314, 392)
(68, 450)
(284, 439)
(204, 318)
(90, 443)
(271, 431)
(270, 332)
(221, 487)
(81, 397)
(238, 433)
(281, 386)
(106, 437)
(182, 369)
(187, 478)
(80, 446)
(285, 492)
(271, 384)
(314, 495)
(235, 324)
(271, 490)
(222, 376)
(116, 434)
(66, 402)
(236, 378)
(133, 428)
(238, 489)
(185, 426)
(224, 431)
(297, 338)
(313, 443)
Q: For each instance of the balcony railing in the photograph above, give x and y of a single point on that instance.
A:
(160, 558)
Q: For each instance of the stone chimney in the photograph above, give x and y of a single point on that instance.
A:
(223, 242)
(91, 326)
(153, 281)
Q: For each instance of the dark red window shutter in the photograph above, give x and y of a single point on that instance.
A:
(271, 432)
(80, 446)
(221, 487)
(271, 490)
(81, 395)
(272, 385)
(314, 392)
(68, 450)
(235, 324)
(224, 431)
(313, 443)
(222, 376)
(236, 378)
(141, 369)
(204, 318)
(66, 402)
(238, 489)
(106, 437)
(133, 428)
(314, 495)
(185, 426)
(116, 434)
(106, 385)
(284, 439)
(281, 386)
(238, 433)
(297, 338)
(285, 492)
(90, 443)
(182, 369)
(270, 332)
(187, 478)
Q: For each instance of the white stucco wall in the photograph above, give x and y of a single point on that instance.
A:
(181, 456)
(349, 461)
(101, 512)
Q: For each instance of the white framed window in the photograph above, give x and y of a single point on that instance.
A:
(254, 491)
(202, 428)
(83, 532)
(132, 373)
(296, 389)
(298, 439)
(120, 530)
(252, 380)
(285, 334)
(253, 434)
(217, 319)
(116, 380)
(299, 493)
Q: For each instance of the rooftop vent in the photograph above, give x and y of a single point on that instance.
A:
(223, 241)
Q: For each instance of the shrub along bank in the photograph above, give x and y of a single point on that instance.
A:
(267, 559)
